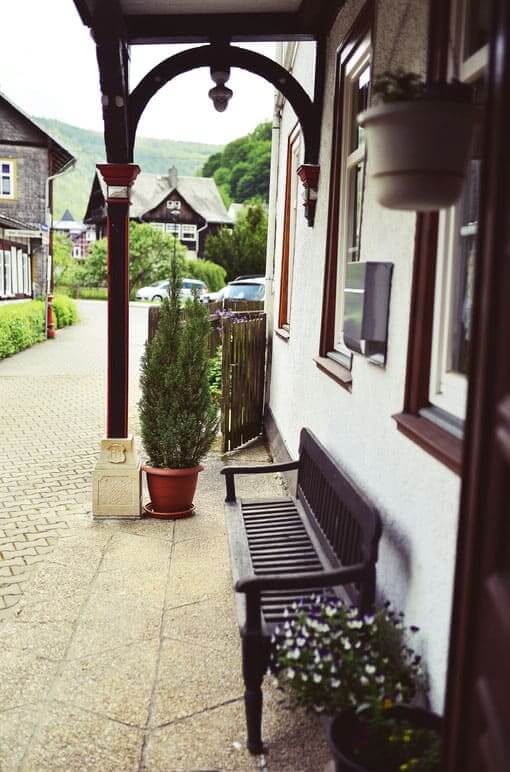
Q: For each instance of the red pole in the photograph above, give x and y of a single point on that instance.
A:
(51, 318)
(118, 178)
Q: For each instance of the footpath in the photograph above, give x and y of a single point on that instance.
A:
(120, 648)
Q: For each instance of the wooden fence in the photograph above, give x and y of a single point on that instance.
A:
(242, 379)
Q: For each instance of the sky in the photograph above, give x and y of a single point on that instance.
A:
(49, 69)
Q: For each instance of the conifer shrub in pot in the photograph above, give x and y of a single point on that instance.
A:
(359, 668)
(419, 138)
(178, 416)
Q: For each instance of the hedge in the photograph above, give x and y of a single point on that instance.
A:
(64, 311)
(23, 324)
(85, 293)
(212, 274)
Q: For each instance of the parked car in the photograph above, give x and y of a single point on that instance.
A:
(158, 290)
(245, 289)
(242, 288)
(213, 297)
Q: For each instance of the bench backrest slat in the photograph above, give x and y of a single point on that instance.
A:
(348, 521)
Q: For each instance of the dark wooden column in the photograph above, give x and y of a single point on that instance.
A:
(118, 178)
(118, 174)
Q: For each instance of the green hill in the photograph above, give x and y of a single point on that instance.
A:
(154, 155)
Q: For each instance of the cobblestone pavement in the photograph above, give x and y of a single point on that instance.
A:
(120, 648)
(51, 420)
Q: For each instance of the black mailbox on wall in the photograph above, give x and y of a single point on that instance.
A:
(366, 309)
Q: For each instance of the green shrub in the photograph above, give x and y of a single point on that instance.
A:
(64, 311)
(64, 289)
(178, 416)
(214, 374)
(21, 325)
(93, 293)
(212, 274)
(85, 293)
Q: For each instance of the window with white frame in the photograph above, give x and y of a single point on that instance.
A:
(355, 100)
(19, 268)
(458, 227)
(14, 270)
(188, 232)
(7, 178)
(8, 273)
(2, 274)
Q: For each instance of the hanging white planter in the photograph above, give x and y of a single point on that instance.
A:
(418, 151)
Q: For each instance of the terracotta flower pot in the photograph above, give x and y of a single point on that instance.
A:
(418, 152)
(171, 491)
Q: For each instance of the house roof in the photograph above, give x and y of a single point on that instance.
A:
(201, 193)
(196, 21)
(61, 157)
(67, 216)
(12, 223)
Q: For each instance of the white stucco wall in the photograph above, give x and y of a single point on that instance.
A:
(417, 495)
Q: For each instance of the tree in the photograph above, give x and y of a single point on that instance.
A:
(243, 249)
(64, 266)
(241, 170)
(150, 252)
(178, 416)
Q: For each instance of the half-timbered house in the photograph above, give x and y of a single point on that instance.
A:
(190, 208)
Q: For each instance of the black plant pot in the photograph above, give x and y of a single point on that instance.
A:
(344, 729)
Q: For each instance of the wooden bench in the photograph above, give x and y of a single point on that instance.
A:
(284, 549)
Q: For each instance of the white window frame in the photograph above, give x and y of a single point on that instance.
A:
(8, 273)
(2, 274)
(448, 390)
(192, 229)
(14, 271)
(11, 162)
(174, 228)
(359, 61)
(19, 267)
(29, 274)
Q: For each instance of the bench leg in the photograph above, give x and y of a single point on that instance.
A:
(255, 662)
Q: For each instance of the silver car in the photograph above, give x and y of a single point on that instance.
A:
(157, 291)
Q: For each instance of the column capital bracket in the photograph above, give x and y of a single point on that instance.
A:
(118, 175)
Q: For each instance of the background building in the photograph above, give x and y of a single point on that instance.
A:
(189, 207)
(29, 159)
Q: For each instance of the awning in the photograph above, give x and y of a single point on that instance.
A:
(199, 21)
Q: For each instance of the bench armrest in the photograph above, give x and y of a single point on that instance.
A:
(231, 471)
(345, 575)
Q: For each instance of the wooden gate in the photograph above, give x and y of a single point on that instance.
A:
(243, 367)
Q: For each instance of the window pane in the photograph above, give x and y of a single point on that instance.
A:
(6, 186)
(477, 26)
(354, 210)
(360, 88)
(6, 168)
(463, 273)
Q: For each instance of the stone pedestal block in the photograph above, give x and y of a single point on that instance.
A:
(116, 481)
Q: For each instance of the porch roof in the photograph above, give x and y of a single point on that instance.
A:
(199, 21)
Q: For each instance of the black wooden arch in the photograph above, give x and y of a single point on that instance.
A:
(211, 55)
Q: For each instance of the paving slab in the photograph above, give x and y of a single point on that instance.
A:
(189, 680)
(211, 740)
(200, 569)
(116, 684)
(73, 740)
